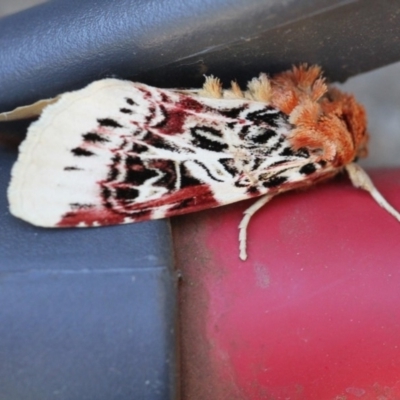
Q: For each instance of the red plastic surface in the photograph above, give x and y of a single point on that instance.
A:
(313, 314)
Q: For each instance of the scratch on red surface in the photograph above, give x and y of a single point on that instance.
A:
(201, 372)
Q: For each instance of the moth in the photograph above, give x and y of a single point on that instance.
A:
(117, 152)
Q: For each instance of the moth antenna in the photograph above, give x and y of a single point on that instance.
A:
(360, 179)
(212, 87)
(248, 213)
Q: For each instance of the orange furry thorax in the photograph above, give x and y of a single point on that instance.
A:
(328, 122)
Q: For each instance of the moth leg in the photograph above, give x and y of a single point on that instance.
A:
(360, 179)
(245, 222)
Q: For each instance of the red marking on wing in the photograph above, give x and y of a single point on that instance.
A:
(183, 201)
(174, 122)
(177, 114)
(102, 216)
(146, 93)
(199, 199)
(189, 103)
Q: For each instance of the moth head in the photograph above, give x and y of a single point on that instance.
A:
(352, 115)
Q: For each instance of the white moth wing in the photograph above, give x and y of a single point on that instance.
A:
(77, 163)
(41, 190)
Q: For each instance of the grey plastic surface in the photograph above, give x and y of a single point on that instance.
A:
(85, 314)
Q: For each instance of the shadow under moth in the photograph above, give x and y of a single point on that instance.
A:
(118, 152)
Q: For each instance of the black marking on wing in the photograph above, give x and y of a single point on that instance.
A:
(253, 191)
(233, 113)
(164, 119)
(244, 131)
(202, 141)
(80, 206)
(138, 148)
(151, 114)
(126, 193)
(78, 151)
(257, 162)
(207, 171)
(286, 152)
(130, 101)
(109, 122)
(187, 179)
(275, 181)
(167, 170)
(308, 169)
(106, 194)
(72, 169)
(94, 138)
(241, 184)
(137, 173)
(159, 142)
(114, 172)
(126, 110)
(263, 136)
(278, 163)
(267, 115)
(229, 165)
(276, 146)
